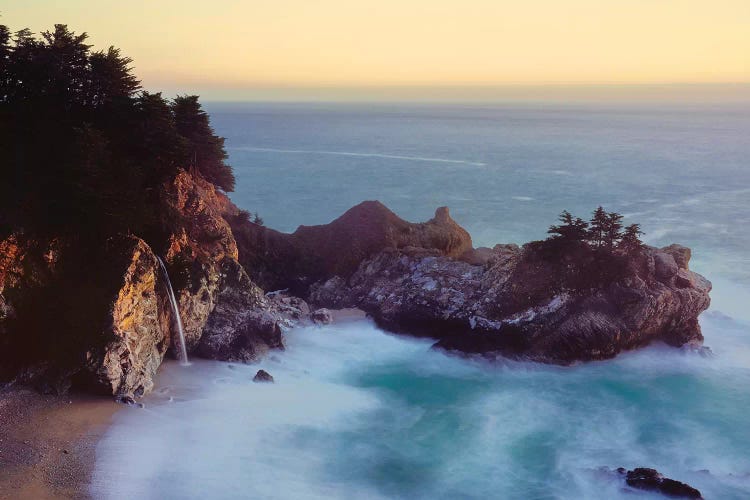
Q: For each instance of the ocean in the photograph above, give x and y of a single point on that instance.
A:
(359, 413)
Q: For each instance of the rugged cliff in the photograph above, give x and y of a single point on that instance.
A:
(95, 312)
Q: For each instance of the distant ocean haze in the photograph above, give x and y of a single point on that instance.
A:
(506, 171)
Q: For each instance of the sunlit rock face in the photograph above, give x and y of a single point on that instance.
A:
(520, 304)
(200, 242)
(95, 316)
(139, 322)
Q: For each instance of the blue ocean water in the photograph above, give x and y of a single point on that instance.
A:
(357, 413)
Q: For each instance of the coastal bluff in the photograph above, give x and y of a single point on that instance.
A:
(95, 314)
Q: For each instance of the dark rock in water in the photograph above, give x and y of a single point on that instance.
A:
(128, 401)
(262, 376)
(651, 480)
(572, 306)
(322, 316)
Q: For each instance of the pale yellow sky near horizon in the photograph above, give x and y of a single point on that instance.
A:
(245, 48)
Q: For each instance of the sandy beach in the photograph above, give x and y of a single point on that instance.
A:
(48, 443)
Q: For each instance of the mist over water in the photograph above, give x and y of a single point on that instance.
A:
(358, 413)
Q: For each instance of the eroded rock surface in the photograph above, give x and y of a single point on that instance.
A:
(520, 303)
(137, 322)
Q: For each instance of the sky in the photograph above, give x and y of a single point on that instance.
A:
(442, 49)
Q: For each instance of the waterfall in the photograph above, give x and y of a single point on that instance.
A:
(175, 313)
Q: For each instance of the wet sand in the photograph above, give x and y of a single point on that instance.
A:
(48, 443)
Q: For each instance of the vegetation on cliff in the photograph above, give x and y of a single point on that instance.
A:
(87, 157)
(82, 147)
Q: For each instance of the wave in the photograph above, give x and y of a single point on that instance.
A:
(357, 413)
(361, 155)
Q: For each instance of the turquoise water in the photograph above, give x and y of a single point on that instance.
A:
(358, 413)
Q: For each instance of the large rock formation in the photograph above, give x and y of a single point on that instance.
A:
(137, 322)
(241, 327)
(96, 313)
(575, 305)
(199, 244)
(295, 261)
(97, 319)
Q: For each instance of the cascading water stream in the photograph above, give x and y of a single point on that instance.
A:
(176, 314)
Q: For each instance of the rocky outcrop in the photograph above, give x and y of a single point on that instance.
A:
(105, 320)
(95, 313)
(576, 306)
(312, 253)
(199, 244)
(94, 318)
(241, 327)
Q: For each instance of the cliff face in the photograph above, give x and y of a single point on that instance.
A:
(200, 241)
(521, 304)
(101, 323)
(96, 312)
(137, 322)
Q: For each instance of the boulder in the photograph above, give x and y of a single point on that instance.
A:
(665, 265)
(322, 316)
(263, 376)
(242, 326)
(680, 254)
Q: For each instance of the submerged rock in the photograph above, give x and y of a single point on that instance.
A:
(651, 480)
(262, 376)
(322, 316)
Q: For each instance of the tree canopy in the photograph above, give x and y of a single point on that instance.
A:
(82, 145)
(603, 232)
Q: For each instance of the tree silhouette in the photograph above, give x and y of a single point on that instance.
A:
(598, 228)
(81, 147)
(631, 238)
(613, 228)
(205, 151)
(571, 228)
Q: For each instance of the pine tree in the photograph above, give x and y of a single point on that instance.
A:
(598, 228)
(613, 227)
(205, 150)
(572, 228)
(631, 238)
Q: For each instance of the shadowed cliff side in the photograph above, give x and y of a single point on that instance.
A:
(294, 261)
